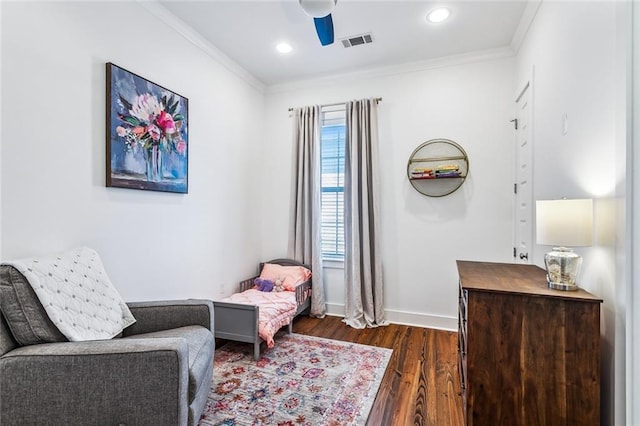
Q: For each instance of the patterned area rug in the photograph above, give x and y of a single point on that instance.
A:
(303, 380)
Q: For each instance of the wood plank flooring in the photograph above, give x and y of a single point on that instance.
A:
(421, 386)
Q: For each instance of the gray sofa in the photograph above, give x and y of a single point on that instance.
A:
(157, 373)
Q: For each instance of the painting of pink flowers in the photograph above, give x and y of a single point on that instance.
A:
(147, 134)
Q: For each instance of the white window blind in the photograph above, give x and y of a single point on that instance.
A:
(332, 142)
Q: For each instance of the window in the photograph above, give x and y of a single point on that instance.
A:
(332, 144)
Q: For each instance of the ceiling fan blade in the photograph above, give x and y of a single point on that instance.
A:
(324, 28)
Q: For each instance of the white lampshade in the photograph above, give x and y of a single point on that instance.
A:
(564, 222)
(317, 8)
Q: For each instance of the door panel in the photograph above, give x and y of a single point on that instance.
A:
(524, 173)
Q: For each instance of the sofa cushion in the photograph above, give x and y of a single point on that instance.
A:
(23, 312)
(201, 348)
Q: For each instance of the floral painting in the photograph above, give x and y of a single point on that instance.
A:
(147, 134)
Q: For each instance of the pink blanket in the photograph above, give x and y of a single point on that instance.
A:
(276, 309)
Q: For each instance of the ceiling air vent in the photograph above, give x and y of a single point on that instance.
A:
(356, 40)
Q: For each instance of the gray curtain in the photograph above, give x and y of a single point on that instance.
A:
(305, 244)
(362, 263)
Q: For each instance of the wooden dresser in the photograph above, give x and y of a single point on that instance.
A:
(528, 355)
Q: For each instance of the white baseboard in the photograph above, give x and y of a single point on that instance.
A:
(406, 318)
(335, 310)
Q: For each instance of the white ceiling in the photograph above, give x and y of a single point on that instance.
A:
(247, 32)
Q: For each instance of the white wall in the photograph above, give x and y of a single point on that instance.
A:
(422, 237)
(574, 51)
(154, 245)
(0, 134)
(633, 305)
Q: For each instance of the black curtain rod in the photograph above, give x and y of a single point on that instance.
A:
(339, 103)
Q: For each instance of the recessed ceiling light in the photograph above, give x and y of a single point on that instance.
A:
(284, 48)
(438, 15)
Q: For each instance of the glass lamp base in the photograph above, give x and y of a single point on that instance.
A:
(561, 286)
(563, 266)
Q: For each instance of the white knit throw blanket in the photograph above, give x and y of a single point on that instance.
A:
(76, 293)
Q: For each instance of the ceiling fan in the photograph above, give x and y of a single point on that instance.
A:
(320, 11)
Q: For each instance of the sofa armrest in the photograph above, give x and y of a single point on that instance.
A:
(119, 381)
(168, 314)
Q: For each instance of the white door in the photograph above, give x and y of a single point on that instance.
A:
(524, 174)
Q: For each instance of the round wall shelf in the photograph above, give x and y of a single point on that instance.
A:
(437, 167)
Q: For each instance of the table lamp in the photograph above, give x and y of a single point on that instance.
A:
(564, 223)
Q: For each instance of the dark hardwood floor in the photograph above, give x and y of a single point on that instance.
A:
(421, 385)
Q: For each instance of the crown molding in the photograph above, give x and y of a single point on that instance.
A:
(447, 61)
(200, 42)
(526, 20)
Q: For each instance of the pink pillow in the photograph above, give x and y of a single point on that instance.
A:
(291, 276)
